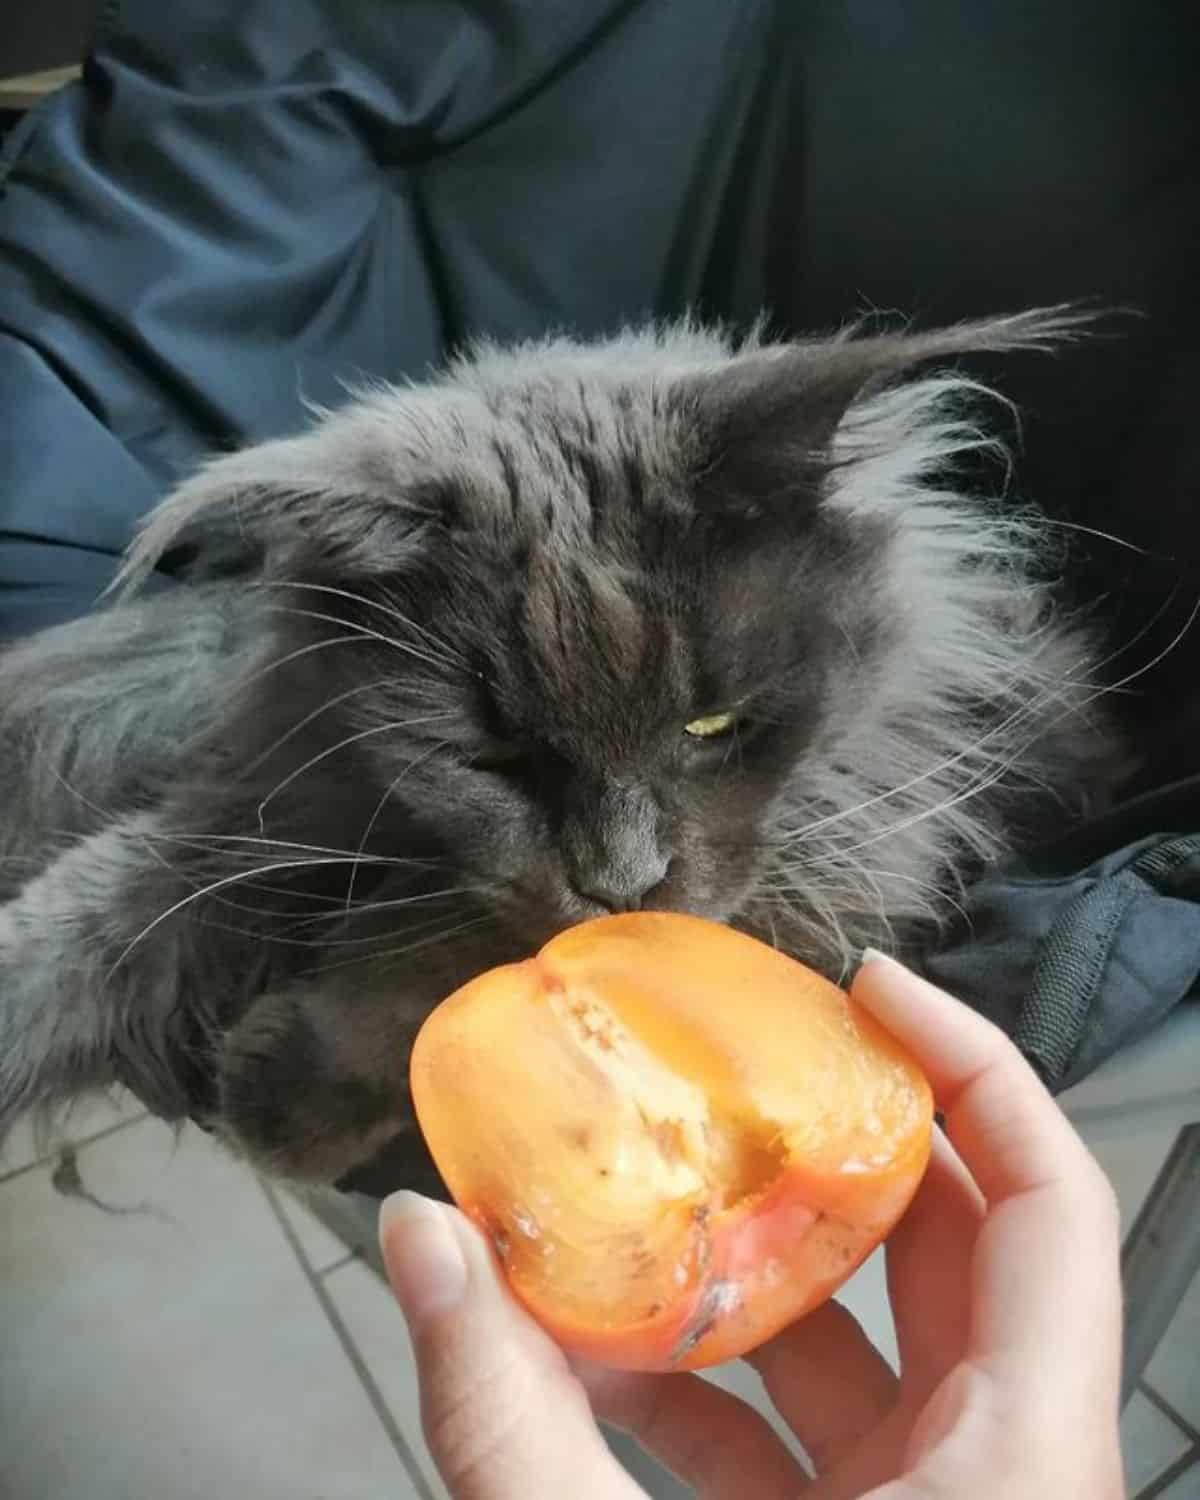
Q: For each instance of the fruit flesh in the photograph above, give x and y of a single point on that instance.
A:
(678, 1139)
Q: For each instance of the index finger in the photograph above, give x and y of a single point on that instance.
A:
(1045, 1277)
(1001, 1118)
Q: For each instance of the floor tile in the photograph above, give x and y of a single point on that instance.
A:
(322, 1248)
(172, 1353)
(366, 1306)
(742, 1379)
(18, 1149)
(1174, 1372)
(1150, 1442)
(1132, 1163)
(658, 1483)
(865, 1294)
(1185, 1487)
(87, 1117)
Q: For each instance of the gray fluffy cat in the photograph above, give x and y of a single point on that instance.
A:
(655, 622)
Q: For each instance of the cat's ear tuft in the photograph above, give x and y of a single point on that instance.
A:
(311, 502)
(765, 423)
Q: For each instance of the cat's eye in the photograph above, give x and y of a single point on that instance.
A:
(503, 759)
(711, 726)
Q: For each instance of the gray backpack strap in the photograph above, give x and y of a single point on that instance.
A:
(1084, 972)
(1077, 964)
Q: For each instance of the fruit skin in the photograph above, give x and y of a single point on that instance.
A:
(778, 1175)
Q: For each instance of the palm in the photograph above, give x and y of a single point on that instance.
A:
(860, 1425)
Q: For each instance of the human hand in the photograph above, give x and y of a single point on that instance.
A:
(1004, 1284)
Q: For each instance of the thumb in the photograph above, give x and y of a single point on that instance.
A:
(503, 1416)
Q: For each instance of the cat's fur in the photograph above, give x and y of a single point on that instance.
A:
(419, 700)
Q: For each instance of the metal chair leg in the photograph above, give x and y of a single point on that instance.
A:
(353, 1217)
(1161, 1255)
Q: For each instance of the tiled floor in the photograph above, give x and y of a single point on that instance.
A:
(1161, 1425)
(186, 1332)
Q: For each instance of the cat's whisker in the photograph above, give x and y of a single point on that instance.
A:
(201, 839)
(1029, 709)
(297, 921)
(981, 783)
(366, 633)
(147, 839)
(437, 643)
(455, 930)
(105, 815)
(391, 903)
(379, 806)
(447, 654)
(337, 906)
(351, 739)
(939, 809)
(244, 683)
(815, 905)
(316, 713)
(832, 910)
(867, 881)
(293, 894)
(295, 655)
(829, 921)
(930, 904)
(1128, 645)
(1001, 727)
(937, 897)
(266, 936)
(210, 889)
(1001, 768)
(410, 928)
(1154, 661)
(1105, 536)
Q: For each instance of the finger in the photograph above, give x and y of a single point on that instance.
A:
(827, 1381)
(711, 1440)
(502, 1413)
(1001, 1119)
(929, 1257)
(1047, 1255)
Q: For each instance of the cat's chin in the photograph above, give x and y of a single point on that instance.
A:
(532, 920)
(404, 1162)
(536, 933)
(532, 933)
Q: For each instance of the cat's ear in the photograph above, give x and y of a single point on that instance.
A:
(766, 422)
(330, 498)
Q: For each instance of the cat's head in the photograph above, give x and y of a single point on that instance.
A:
(601, 611)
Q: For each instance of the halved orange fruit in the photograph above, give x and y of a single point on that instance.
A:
(677, 1139)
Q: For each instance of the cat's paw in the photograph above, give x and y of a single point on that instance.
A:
(297, 1100)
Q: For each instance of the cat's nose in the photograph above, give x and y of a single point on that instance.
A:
(610, 844)
(624, 889)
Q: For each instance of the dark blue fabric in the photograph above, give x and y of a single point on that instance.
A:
(249, 201)
(1076, 961)
(245, 204)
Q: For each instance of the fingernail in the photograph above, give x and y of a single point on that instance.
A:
(869, 955)
(424, 1260)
